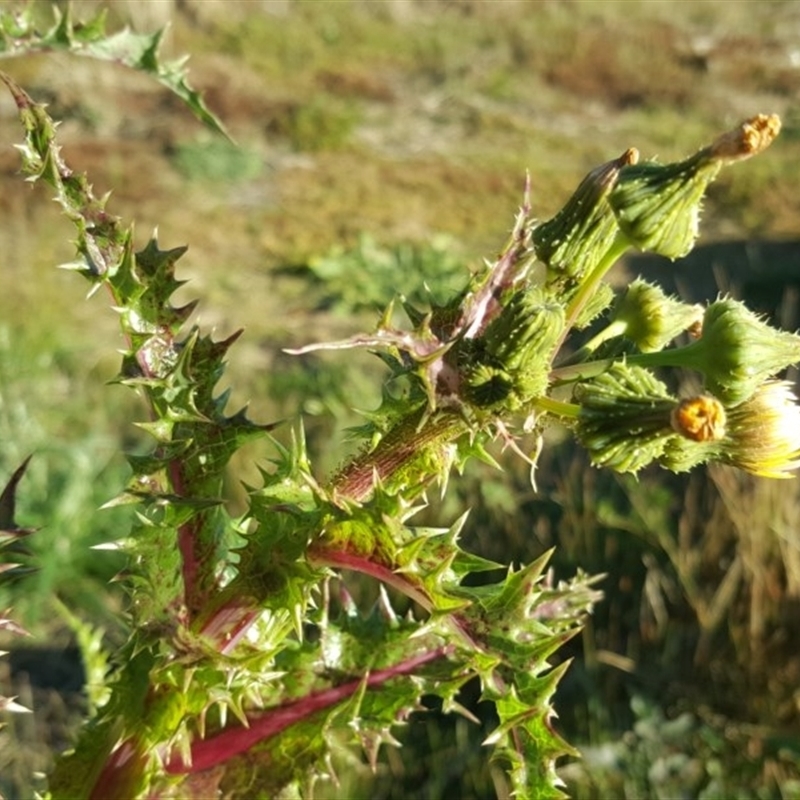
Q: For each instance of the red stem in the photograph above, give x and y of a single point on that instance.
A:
(321, 556)
(229, 622)
(231, 742)
(121, 773)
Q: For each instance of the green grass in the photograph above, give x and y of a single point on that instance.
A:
(56, 408)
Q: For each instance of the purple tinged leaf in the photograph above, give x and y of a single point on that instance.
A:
(8, 501)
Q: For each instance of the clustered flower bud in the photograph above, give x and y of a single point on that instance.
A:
(496, 349)
(509, 365)
(626, 418)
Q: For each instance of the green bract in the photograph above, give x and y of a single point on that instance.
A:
(737, 351)
(579, 236)
(651, 320)
(511, 360)
(624, 420)
(658, 206)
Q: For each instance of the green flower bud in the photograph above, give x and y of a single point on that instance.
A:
(650, 319)
(738, 351)
(574, 241)
(599, 300)
(510, 364)
(658, 205)
(625, 417)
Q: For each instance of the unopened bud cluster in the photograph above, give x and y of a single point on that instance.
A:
(508, 366)
(512, 344)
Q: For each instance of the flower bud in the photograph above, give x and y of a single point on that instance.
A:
(738, 351)
(624, 421)
(574, 241)
(650, 319)
(658, 205)
(510, 363)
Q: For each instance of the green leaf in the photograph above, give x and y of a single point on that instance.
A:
(525, 736)
(19, 35)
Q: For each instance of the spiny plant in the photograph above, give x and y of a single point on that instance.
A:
(248, 663)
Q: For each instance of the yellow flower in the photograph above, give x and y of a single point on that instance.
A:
(764, 432)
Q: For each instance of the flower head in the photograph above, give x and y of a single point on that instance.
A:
(624, 420)
(509, 365)
(658, 205)
(764, 432)
(578, 237)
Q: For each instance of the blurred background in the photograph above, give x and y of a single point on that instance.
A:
(380, 146)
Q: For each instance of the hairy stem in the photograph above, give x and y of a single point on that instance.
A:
(420, 438)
